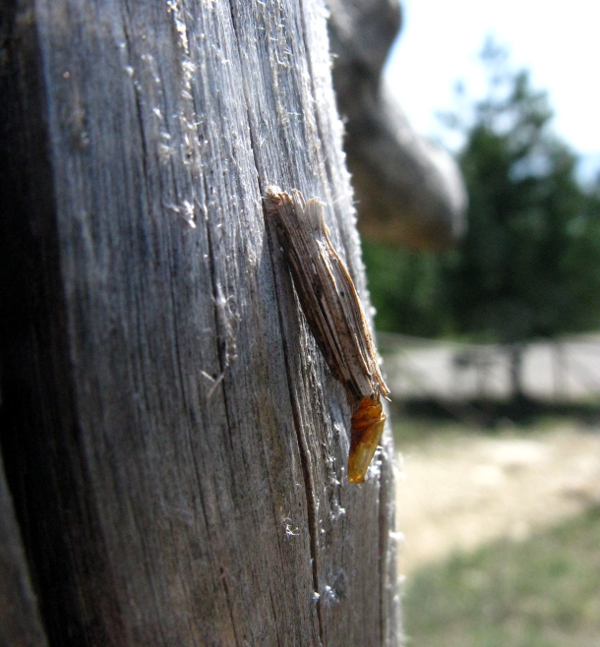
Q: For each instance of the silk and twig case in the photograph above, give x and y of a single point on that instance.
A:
(335, 317)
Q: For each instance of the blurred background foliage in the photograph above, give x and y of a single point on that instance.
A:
(529, 264)
(528, 268)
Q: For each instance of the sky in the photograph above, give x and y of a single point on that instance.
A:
(558, 43)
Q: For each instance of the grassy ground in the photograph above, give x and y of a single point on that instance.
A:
(503, 533)
(543, 592)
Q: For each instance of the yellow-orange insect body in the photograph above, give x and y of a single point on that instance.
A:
(365, 432)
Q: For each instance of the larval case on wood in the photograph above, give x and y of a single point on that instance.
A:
(335, 317)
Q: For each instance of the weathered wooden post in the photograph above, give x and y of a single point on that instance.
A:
(174, 444)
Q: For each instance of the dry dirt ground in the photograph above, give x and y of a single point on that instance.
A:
(459, 491)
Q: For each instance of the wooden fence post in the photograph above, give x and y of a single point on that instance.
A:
(174, 444)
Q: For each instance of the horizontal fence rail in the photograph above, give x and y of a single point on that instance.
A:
(563, 370)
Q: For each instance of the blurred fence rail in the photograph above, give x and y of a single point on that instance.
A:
(565, 370)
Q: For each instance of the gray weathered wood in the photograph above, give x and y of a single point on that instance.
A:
(174, 443)
(20, 623)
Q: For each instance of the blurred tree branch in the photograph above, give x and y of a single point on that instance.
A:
(408, 190)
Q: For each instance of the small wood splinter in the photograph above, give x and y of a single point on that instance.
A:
(335, 317)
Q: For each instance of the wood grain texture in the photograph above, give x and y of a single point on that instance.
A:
(173, 441)
(20, 622)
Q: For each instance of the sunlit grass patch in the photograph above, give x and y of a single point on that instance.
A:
(541, 592)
